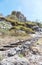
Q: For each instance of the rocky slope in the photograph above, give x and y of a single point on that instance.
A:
(21, 51)
(16, 24)
(29, 53)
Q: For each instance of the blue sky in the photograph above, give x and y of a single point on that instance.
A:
(32, 9)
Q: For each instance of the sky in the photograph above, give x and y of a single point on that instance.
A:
(32, 9)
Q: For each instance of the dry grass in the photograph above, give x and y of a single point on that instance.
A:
(39, 41)
(4, 40)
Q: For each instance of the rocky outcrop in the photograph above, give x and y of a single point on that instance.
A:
(5, 25)
(15, 15)
(19, 15)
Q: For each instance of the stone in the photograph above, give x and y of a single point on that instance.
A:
(15, 60)
(11, 52)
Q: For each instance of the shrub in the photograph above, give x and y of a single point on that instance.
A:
(20, 55)
(1, 57)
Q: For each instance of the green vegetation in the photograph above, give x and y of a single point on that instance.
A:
(39, 24)
(11, 25)
(1, 57)
(21, 55)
